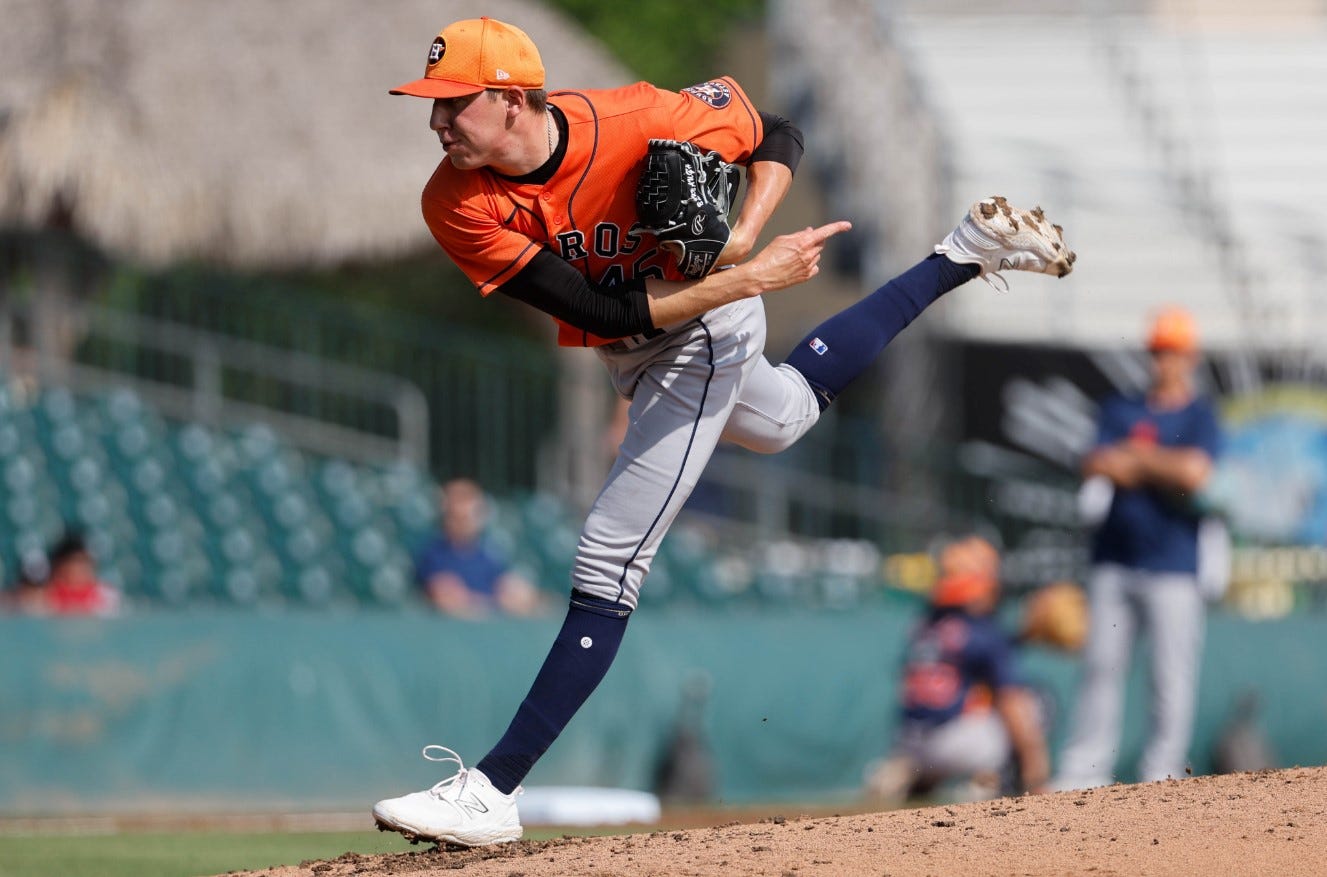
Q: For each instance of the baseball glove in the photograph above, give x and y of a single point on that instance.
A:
(1056, 616)
(683, 199)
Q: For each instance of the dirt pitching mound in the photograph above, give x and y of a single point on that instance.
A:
(1271, 822)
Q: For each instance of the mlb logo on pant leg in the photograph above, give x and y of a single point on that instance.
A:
(820, 347)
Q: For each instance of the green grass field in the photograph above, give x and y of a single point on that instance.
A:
(183, 854)
(147, 852)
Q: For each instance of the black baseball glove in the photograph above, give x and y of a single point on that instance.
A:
(683, 199)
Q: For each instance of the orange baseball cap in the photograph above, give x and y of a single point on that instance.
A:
(475, 54)
(1174, 329)
(960, 589)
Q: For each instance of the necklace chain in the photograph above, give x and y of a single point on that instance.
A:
(548, 126)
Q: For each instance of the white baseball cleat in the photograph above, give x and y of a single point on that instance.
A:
(463, 809)
(997, 237)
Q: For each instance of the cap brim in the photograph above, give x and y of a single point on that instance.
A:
(436, 88)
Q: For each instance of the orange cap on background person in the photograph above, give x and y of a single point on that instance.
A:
(1173, 329)
(963, 589)
(971, 554)
(474, 55)
(969, 571)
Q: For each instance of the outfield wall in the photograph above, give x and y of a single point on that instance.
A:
(220, 712)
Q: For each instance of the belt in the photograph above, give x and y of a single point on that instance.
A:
(631, 342)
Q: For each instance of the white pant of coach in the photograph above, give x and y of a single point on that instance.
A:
(1124, 602)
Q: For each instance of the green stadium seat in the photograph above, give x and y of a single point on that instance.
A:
(241, 585)
(22, 510)
(336, 478)
(20, 474)
(302, 546)
(391, 584)
(291, 510)
(123, 406)
(132, 441)
(173, 585)
(254, 443)
(315, 585)
(11, 439)
(195, 443)
(57, 405)
(93, 509)
(369, 547)
(351, 512)
(67, 441)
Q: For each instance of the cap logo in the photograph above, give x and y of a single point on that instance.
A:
(715, 93)
(436, 50)
(501, 75)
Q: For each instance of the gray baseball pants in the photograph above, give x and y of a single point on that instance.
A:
(1122, 602)
(701, 382)
(960, 748)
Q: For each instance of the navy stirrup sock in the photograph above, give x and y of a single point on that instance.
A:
(580, 656)
(841, 348)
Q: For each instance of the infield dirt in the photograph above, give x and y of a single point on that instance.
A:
(1270, 822)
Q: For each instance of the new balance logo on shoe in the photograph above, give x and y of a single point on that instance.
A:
(471, 804)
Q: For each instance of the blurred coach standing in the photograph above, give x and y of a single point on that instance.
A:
(1156, 451)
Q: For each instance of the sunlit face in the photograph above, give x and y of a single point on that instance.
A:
(469, 127)
(1171, 367)
(77, 570)
(464, 511)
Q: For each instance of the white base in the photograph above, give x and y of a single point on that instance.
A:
(586, 805)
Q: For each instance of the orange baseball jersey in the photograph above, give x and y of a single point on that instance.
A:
(492, 227)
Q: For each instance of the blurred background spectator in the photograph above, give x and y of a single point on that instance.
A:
(68, 585)
(461, 574)
(74, 587)
(968, 719)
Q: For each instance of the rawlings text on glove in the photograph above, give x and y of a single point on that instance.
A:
(683, 199)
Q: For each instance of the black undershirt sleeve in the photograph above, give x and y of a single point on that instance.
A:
(782, 142)
(559, 290)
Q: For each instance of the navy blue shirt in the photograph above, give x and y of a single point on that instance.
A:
(1150, 528)
(950, 655)
(474, 564)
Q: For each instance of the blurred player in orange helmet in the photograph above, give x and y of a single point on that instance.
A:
(966, 713)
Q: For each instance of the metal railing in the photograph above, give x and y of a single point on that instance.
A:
(199, 373)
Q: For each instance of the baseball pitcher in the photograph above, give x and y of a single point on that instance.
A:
(607, 210)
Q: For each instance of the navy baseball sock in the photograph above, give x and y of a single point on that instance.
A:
(581, 655)
(840, 349)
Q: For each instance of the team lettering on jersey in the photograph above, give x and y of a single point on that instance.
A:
(608, 241)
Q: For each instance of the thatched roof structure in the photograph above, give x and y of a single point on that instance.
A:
(248, 132)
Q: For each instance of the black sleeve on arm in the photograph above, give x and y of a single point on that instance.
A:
(782, 142)
(558, 289)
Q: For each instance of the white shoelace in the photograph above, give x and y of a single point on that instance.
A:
(441, 787)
